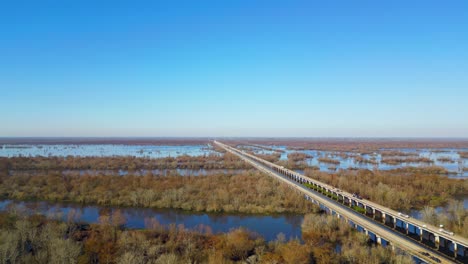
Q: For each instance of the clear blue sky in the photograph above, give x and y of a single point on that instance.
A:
(234, 68)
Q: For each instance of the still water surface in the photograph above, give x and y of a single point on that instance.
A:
(268, 226)
(105, 150)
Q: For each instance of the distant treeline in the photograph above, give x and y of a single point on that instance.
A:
(225, 161)
(354, 145)
(108, 140)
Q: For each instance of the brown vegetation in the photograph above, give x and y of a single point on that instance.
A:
(356, 145)
(445, 159)
(217, 148)
(36, 239)
(421, 170)
(328, 161)
(249, 192)
(454, 218)
(225, 161)
(398, 160)
(463, 155)
(323, 233)
(298, 156)
(391, 153)
(396, 190)
(274, 157)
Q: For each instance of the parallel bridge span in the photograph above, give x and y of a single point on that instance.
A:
(411, 235)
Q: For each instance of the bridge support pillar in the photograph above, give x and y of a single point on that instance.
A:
(407, 228)
(437, 241)
(455, 249)
(384, 217)
(394, 222)
(420, 234)
(379, 239)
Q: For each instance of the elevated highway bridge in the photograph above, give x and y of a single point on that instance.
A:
(388, 227)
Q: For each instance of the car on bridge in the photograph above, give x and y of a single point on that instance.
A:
(404, 215)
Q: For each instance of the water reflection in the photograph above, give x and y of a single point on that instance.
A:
(268, 226)
(440, 209)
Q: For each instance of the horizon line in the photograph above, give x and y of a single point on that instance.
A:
(259, 137)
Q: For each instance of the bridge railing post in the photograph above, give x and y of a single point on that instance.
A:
(455, 249)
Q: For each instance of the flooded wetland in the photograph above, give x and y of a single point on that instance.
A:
(202, 188)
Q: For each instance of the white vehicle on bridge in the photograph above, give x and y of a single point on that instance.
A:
(404, 215)
(446, 232)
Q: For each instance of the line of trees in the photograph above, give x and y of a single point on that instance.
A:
(367, 146)
(431, 170)
(225, 161)
(392, 153)
(246, 192)
(400, 160)
(35, 239)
